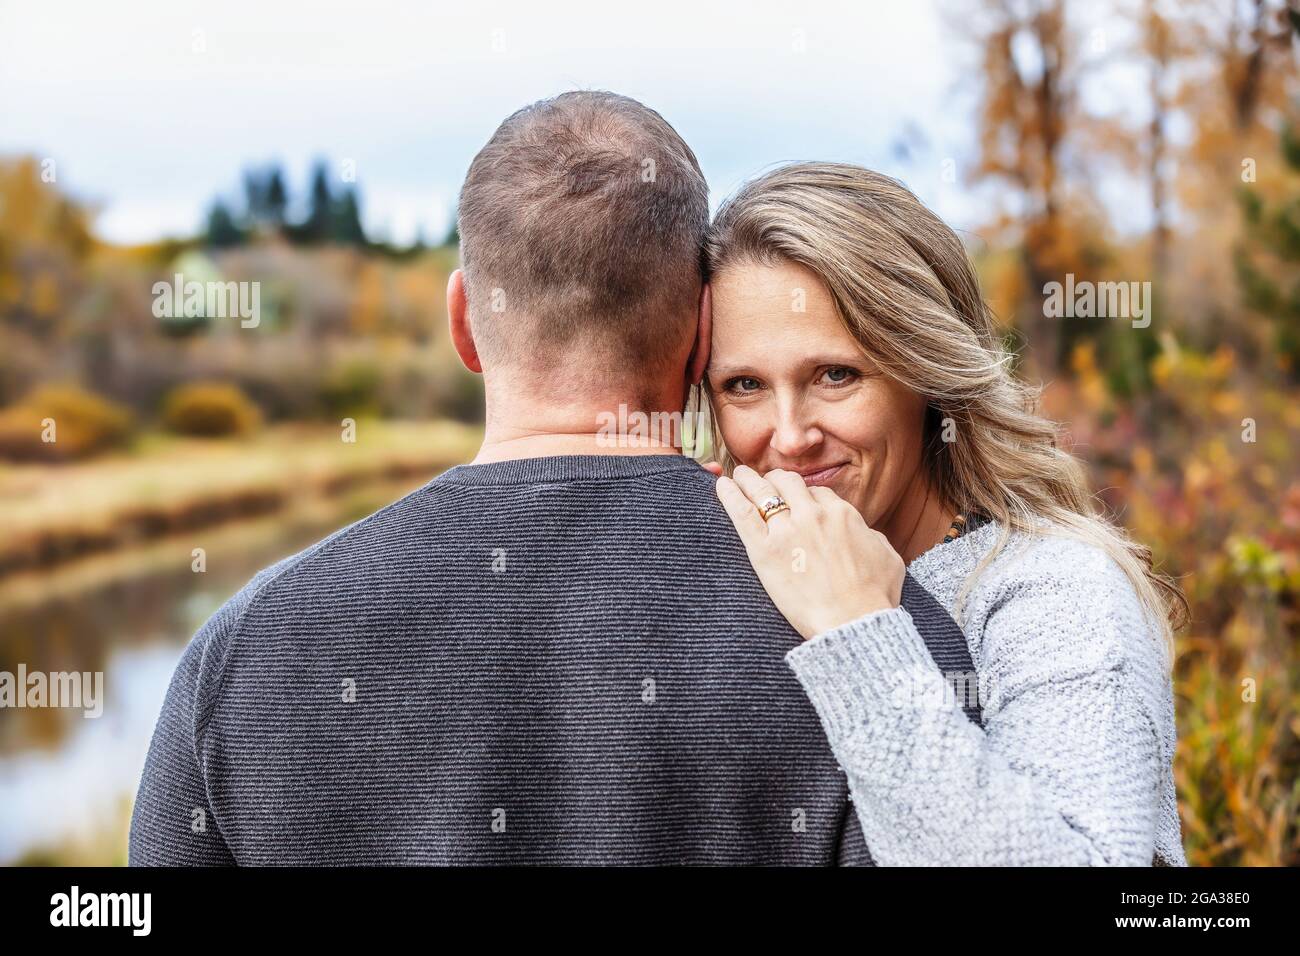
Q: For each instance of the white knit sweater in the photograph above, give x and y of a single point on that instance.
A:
(1074, 763)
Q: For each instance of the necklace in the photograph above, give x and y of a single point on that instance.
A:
(956, 531)
(961, 524)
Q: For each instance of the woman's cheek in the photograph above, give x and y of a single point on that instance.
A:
(856, 424)
(742, 431)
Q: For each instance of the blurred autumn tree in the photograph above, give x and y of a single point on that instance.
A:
(1191, 427)
(45, 240)
(1267, 257)
(1220, 77)
(1238, 82)
(1029, 92)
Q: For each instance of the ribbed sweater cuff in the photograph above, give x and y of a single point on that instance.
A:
(870, 665)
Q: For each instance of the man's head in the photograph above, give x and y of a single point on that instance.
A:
(581, 225)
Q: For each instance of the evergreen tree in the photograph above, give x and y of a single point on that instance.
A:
(318, 226)
(222, 230)
(254, 196)
(347, 220)
(277, 198)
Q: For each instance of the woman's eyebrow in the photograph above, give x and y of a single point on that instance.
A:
(812, 361)
(728, 371)
(844, 358)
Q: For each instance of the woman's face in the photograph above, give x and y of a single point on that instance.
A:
(792, 389)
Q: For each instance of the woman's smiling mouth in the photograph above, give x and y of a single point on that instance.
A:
(821, 475)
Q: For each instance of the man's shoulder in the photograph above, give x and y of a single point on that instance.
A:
(676, 513)
(367, 529)
(205, 655)
(676, 501)
(431, 543)
(682, 504)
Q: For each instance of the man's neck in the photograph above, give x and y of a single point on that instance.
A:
(505, 447)
(527, 419)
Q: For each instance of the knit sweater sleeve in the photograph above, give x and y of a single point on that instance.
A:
(175, 820)
(172, 821)
(1065, 771)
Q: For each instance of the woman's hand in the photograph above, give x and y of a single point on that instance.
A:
(820, 563)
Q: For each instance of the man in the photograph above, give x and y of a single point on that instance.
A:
(557, 653)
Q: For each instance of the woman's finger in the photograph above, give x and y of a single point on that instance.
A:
(749, 523)
(754, 485)
(790, 486)
(829, 499)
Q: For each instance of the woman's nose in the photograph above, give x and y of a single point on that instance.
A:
(793, 435)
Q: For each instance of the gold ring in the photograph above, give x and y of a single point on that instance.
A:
(773, 504)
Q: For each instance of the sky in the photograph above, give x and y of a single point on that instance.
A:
(150, 109)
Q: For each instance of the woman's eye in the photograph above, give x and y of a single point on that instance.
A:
(744, 384)
(840, 375)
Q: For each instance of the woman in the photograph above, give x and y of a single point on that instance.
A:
(865, 410)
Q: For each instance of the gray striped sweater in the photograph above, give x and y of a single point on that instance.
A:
(552, 660)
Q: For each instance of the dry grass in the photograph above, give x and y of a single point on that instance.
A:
(55, 512)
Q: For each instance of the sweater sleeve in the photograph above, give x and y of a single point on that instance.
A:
(1066, 770)
(172, 823)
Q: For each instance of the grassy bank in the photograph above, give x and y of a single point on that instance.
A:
(54, 513)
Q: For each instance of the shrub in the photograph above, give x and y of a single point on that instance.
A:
(210, 409)
(351, 388)
(61, 423)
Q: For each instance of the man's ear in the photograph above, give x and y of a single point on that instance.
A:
(458, 320)
(699, 360)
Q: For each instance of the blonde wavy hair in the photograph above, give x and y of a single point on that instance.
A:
(905, 288)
